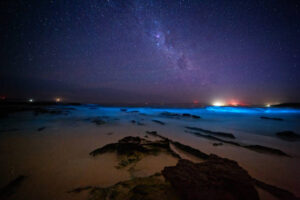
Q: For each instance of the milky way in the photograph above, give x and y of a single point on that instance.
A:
(151, 51)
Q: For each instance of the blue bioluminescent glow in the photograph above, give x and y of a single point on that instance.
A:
(252, 110)
(209, 109)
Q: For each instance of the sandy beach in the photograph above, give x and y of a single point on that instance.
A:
(47, 150)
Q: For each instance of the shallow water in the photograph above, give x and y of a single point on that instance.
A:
(56, 159)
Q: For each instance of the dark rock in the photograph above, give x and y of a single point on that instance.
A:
(154, 133)
(12, 187)
(159, 122)
(257, 148)
(97, 120)
(133, 149)
(133, 111)
(183, 147)
(210, 137)
(272, 118)
(176, 115)
(288, 135)
(123, 109)
(263, 149)
(222, 134)
(41, 129)
(137, 123)
(277, 192)
(146, 188)
(217, 178)
(80, 189)
(168, 114)
(140, 123)
(186, 115)
(218, 144)
(190, 150)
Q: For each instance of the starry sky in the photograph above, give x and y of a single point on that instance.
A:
(154, 51)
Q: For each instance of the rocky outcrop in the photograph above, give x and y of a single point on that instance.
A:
(217, 178)
(256, 148)
(132, 149)
(288, 136)
(222, 134)
(272, 118)
(147, 188)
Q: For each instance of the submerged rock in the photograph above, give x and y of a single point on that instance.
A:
(133, 111)
(280, 193)
(80, 189)
(159, 122)
(52, 111)
(98, 121)
(177, 115)
(186, 115)
(288, 135)
(272, 118)
(263, 149)
(41, 128)
(216, 178)
(222, 134)
(169, 114)
(12, 187)
(196, 116)
(218, 144)
(137, 123)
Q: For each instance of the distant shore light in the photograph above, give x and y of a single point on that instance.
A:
(30, 100)
(57, 100)
(268, 105)
(218, 103)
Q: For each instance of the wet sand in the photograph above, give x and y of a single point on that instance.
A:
(56, 159)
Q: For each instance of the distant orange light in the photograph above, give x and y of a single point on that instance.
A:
(57, 100)
(233, 103)
(195, 102)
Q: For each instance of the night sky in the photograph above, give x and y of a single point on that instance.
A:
(160, 51)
